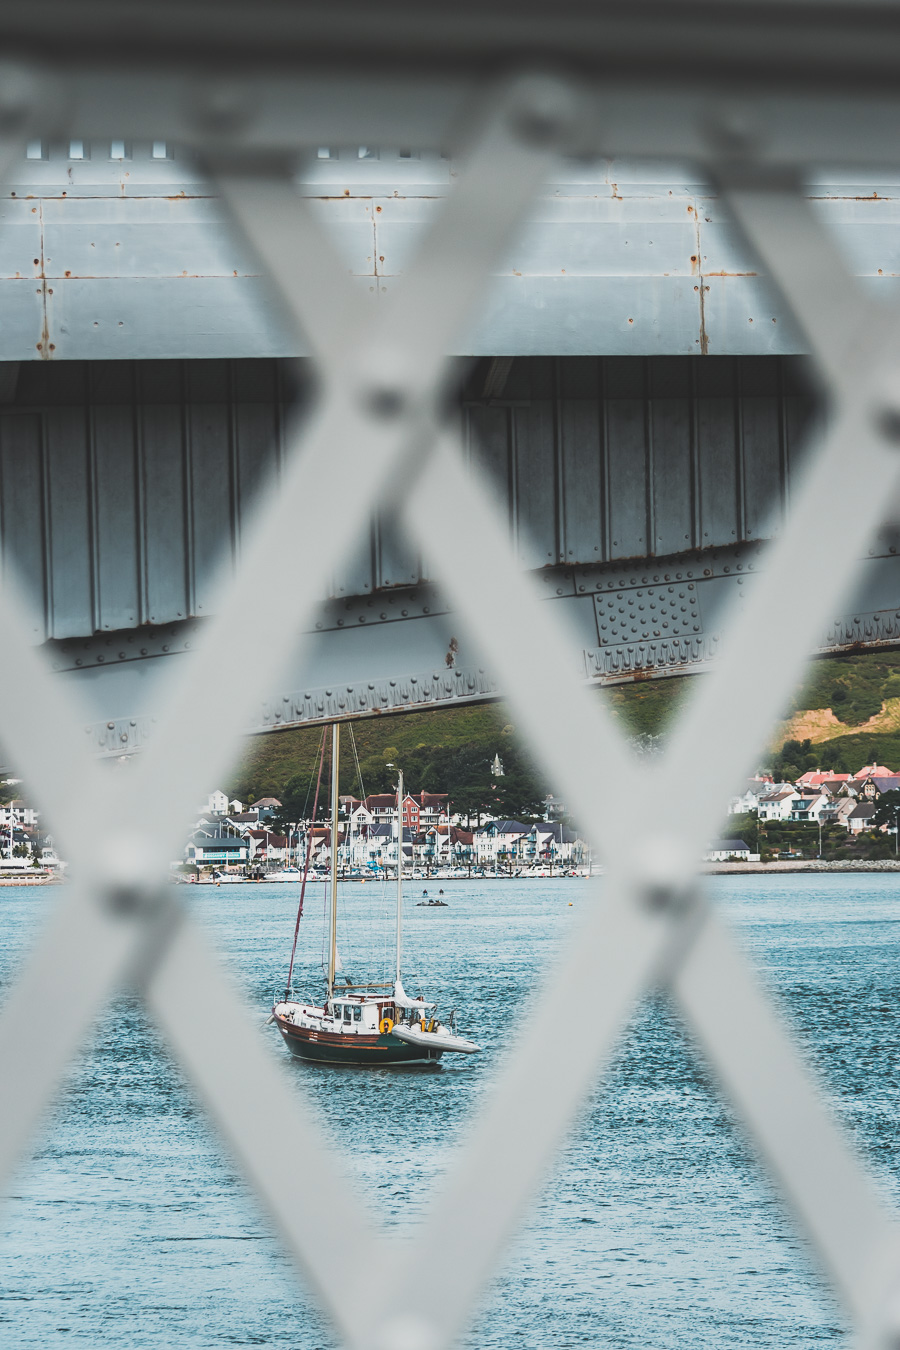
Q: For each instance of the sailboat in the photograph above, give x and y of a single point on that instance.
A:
(375, 1024)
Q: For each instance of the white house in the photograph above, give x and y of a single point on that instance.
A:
(777, 805)
(809, 807)
(748, 800)
(501, 839)
(552, 841)
(18, 813)
(729, 850)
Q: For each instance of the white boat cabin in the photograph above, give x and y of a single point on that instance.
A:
(362, 1014)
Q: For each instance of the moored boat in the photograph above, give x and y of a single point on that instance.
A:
(368, 1024)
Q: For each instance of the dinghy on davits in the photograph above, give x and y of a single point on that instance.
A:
(440, 1040)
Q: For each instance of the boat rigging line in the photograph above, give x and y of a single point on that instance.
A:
(309, 844)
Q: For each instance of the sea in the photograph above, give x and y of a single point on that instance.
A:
(657, 1227)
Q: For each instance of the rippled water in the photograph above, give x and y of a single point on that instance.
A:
(132, 1228)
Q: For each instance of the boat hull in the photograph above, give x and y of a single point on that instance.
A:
(326, 1047)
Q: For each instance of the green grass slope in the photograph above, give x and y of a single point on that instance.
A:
(436, 749)
(847, 714)
(271, 760)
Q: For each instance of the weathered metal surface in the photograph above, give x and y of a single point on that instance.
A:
(599, 35)
(123, 486)
(638, 490)
(103, 257)
(386, 654)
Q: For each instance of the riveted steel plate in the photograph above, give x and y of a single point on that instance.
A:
(652, 611)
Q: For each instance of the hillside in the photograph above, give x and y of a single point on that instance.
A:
(847, 714)
(440, 750)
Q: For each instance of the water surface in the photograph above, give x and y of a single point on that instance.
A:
(131, 1227)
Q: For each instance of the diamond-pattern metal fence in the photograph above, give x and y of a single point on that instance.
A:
(381, 416)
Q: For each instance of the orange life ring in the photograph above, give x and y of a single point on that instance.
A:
(385, 1026)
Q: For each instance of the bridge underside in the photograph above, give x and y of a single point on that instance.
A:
(640, 491)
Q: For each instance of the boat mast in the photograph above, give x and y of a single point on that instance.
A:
(399, 872)
(335, 764)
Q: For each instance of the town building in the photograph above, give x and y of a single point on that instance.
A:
(228, 850)
(218, 804)
(860, 818)
(265, 807)
(267, 847)
(729, 850)
(808, 807)
(20, 813)
(747, 801)
(777, 805)
(816, 778)
(509, 843)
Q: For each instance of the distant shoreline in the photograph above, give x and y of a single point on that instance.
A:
(807, 865)
(810, 865)
(802, 865)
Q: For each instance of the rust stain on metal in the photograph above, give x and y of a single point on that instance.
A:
(731, 274)
(45, 346)
(870, 197)
(704, 336)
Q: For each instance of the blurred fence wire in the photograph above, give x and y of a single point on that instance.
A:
(381, 416)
